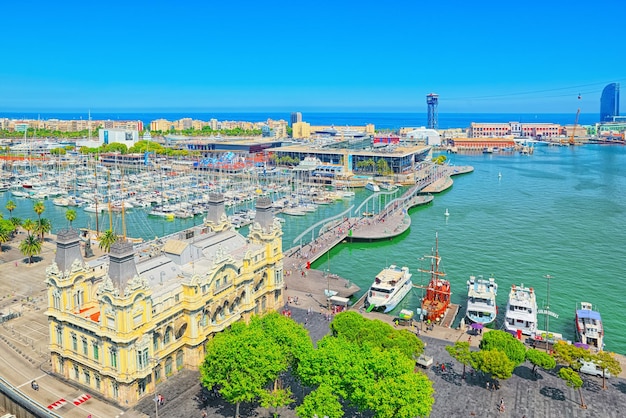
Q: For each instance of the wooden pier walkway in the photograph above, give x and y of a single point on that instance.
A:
(314, 286)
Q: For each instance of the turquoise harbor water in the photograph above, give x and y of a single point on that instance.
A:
(560, 212)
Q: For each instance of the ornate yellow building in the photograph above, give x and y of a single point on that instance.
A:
(122, 323)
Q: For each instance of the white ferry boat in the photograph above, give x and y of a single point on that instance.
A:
(481, 300)
(390, 286)
(589, 326)
(371, 186)
(521, 310)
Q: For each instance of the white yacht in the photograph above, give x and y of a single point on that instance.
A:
(390, 286)
(481, 300)
(371, 186)
(589, 326)
(521, 310)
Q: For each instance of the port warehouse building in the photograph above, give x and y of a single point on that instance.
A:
(239, 154)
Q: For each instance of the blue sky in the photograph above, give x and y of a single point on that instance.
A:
(479, 56)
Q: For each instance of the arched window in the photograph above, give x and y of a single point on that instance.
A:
(168, 366)
(179, 360)
(155, 342)
(168, 335)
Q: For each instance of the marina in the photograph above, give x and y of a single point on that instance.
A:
(511, 184)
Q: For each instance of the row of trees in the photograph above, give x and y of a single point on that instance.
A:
(379, 166)
(36, 229)
(363, 364)
(500, 353)
(46, 133)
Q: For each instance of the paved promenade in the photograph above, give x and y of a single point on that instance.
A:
(24, 357)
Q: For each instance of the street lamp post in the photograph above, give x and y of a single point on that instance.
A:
(548, 277)
(156, 394)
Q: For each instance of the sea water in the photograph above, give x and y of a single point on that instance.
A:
(519, 218)
(559, 213)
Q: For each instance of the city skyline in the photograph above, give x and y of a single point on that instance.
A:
(285, 56)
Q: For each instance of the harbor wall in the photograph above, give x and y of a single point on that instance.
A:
(15, 402)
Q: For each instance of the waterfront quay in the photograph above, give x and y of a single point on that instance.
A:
(24, 357)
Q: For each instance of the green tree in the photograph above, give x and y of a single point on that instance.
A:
(573, 380)
(460, 351)
(569, 354)
(382, 167)
(368, 369)
(607, 361)
(354, 327)
(493, 362)
(29, 226)
(505, 342)
(43, 227)
(321, 402)
(10, 206)
(107, 239)
(541, 359)
(6, 231)
(70, 215)
(30, 246)
(17, 222)
(242, 361)
(275, 398)
(39, 208)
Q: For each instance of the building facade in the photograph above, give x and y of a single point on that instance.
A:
(609, 103)
(296, 117)
(122, 323)
(514, 129)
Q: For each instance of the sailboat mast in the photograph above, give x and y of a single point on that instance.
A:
(123, 209)
(95, 173)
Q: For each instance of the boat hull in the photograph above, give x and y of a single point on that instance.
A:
(390, 286)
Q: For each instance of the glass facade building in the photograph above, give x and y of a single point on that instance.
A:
(609, 102)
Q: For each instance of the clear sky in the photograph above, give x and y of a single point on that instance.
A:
(228, 55)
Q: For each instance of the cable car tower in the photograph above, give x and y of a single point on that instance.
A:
(432, 100)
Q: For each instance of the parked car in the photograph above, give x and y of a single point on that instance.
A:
(589, 367)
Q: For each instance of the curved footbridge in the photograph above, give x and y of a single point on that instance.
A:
(354, 224)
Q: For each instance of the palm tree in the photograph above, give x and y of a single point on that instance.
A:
(6, 231)
(39, 208)
(17, 222)
(43, 227)
(10, 206)
(29, 225)
(70, 215)
(30, 246)
(107, 239)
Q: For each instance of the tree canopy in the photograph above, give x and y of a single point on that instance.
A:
(541, 359)
(460, 351)
(243, 360)
(370, 365)
(505, 342)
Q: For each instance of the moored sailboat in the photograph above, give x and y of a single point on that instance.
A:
(437, 298)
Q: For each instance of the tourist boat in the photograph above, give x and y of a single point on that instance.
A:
(388, 186)
(371, 186)
(481, 300)
(437, 298)
(390, 286)
(521, 311)
(589, 326)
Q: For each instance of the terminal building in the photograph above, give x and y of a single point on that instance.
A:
(123, 323)
(400, 161)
